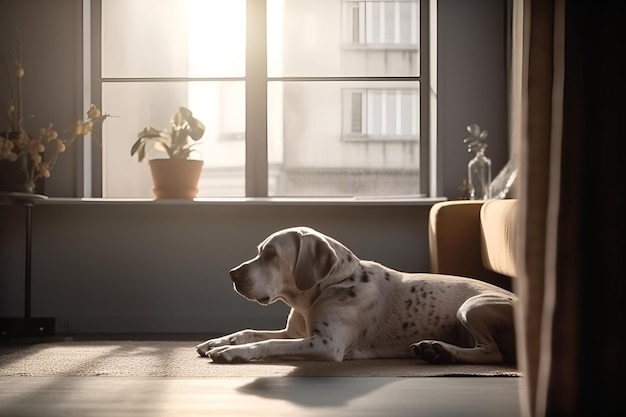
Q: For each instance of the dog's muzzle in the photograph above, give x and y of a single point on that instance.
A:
(237, 276)
(243, 287)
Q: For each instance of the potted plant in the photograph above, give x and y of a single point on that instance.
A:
(176, 176)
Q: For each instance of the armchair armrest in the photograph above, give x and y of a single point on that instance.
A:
(455, 242)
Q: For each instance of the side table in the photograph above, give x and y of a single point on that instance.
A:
(26, 326)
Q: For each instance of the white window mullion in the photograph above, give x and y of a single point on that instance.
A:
(384, 114)
(399, 113)
(414, 23)
(364, 26)
(368, 14)
(397, 23)
(364, 116)
(381, 23)
(416, 113)
(369, 120)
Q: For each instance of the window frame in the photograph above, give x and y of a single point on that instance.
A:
(257, 80)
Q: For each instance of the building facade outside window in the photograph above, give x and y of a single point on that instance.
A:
(339, 94)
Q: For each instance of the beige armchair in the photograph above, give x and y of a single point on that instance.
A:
(474, 238)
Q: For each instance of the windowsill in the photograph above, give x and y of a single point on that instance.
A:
(406, 47)
(330, 201)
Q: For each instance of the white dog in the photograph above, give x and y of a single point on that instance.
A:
(346, 308)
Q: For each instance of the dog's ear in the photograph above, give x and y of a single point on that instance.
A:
(316, 258)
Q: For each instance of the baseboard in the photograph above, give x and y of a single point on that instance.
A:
(26, 327)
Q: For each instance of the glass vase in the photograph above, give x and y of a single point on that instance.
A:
(503, 182)
(479, 175)
(13, 177)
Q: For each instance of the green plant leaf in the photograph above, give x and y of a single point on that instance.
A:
(142, 152)
(196, 129)
(182, 115)
(136, 145)
(175, 141)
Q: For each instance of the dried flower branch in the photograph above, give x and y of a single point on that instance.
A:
(37, 154)
(477, 138)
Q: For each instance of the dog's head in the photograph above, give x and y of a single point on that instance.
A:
(289, 260)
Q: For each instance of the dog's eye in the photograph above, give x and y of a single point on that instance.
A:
(268, 253)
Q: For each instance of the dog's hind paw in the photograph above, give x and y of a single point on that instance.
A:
(432, 351)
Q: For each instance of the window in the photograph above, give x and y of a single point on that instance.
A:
(311, 98)
(381, 114)
(388, 24)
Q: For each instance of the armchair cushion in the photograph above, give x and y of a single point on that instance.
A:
(499, 228)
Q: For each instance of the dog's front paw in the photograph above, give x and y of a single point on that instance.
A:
(432, 351)
(230, 354)
(203, 348)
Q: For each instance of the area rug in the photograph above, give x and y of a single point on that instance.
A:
(179, 359)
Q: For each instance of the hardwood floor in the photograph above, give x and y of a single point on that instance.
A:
(266, 396)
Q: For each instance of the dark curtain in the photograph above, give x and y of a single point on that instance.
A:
(570, 125)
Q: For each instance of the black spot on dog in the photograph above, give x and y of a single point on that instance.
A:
(351, 292)
(325, 323)
(413, 289)
(408, 303)
(324, 341)
(387, 276)
(405, 325)
(364, 277)
(310, 344)
(316, 332)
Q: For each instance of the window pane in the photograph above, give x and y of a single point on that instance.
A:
(219, 105)
(342, 38)
(173, 38)
(314, 150)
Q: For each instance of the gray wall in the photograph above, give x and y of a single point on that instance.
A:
(472, 85)
(50, 32)
(159, 267)
(153, 267)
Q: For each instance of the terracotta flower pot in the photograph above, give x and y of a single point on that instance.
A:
(175, 178)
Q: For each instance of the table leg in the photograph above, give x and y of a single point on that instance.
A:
(28, 256)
